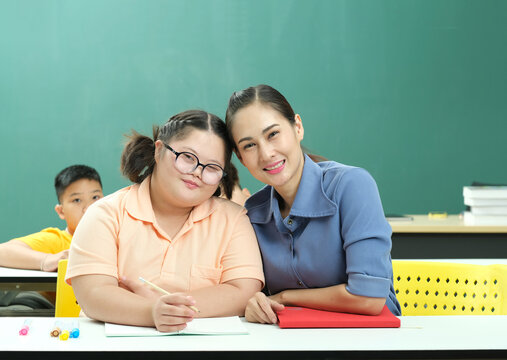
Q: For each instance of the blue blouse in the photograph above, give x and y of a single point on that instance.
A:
(335, 233)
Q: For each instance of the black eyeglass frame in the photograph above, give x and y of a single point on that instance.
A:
(197, 158)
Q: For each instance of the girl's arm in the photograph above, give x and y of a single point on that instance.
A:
(102, 299)
(227, 299)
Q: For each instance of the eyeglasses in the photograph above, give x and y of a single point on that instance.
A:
(187, 162)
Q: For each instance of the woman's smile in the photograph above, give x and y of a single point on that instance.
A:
(275, 168)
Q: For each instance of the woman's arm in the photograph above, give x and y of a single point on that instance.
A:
(262, 309)
(17, 254)
(333, 298)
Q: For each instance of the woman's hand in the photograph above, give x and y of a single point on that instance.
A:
(262, 309)
(172, 313)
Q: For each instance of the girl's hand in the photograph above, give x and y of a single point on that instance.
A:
(262, 309)
(172, 313)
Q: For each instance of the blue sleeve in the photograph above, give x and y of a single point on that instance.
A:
(366, 235)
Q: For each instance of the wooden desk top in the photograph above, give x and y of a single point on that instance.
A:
(451, 224)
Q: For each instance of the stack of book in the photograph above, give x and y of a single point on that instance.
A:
(488, 205)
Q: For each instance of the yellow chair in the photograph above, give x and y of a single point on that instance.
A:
(66, 304)
(439, 288)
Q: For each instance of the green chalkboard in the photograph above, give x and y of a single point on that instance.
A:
(413, 91)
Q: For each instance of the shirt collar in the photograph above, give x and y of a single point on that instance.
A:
(138, 204)
(310, 201)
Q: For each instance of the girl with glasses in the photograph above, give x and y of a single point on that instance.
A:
(170, 228)
(324, 240)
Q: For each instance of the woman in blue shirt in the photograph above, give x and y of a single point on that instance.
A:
(321, 228)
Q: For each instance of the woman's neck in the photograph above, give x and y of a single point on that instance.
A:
(288, 191)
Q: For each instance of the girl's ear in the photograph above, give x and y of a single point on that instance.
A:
(298, 126)
(159, 145)
(59, 211)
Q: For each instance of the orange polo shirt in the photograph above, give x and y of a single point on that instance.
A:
(119, 236)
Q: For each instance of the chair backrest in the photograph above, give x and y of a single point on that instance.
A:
(439, 288)
(66, 304)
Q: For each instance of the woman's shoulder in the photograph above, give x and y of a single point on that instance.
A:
(336, 170)
(260, 198)
(333, 168)
(338, 178)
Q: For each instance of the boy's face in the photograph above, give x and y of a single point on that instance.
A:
(75, 200)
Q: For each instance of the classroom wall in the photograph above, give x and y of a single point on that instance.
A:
(412, 90)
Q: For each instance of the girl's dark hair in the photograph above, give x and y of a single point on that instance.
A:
(266, 95)
(138, 157)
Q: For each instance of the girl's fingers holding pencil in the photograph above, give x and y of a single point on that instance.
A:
(175, 310)
(170, 328)
(170, 317)
(176, 305)
(182, 299)
(178, 299)
(166, 323)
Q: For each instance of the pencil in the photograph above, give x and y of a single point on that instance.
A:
(163, 291)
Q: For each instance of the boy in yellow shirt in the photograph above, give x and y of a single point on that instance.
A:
(77, 187)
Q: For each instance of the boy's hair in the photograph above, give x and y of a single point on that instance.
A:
(72, 174)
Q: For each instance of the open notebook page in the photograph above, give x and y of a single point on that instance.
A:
(207, 326)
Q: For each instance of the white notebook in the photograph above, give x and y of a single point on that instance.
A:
(207, 326)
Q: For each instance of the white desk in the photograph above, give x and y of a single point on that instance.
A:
(433, 336)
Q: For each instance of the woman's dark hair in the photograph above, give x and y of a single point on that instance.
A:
(266, 95)
(138, 157)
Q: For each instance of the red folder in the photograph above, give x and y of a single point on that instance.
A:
(299, 317)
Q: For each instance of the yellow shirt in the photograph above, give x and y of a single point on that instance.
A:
(50, 240)
(119, 236)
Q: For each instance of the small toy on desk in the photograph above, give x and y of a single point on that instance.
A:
(26, 327)
(56, 330)
(74, 333)
(64, 335)
(437, 215)
(65, 330)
